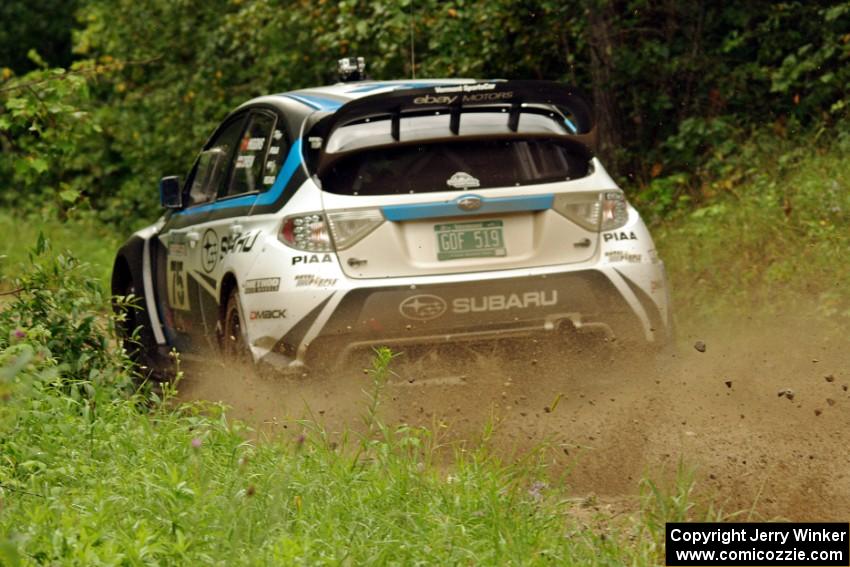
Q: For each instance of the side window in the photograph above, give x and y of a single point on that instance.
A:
(211, 164)
(249, 167)
(211, 171)
(277, 153)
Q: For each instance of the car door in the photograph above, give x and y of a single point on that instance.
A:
(229, 225)
(191, 251)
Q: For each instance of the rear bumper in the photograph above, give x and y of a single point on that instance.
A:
(591, 300)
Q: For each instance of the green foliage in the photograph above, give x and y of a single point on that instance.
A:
(35, 24)
(93, 473)
(679, 83)
(80, 234)
(771, 235)
(56, 309)
(54, 155)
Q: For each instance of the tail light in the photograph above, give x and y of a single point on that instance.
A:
(306, 232)
(319, 232)
(594, 211)
(615, 210)
(349, 227)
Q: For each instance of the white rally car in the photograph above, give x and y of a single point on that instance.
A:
(320, 222)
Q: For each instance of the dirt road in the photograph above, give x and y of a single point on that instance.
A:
(616, 421)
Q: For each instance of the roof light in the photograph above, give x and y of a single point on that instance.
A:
(351, 69)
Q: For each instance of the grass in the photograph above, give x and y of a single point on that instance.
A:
(186, 488)
(770, 239)
(96, 470)
(81, 235)
(89, 478)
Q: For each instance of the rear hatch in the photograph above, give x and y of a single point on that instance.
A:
(465, 188)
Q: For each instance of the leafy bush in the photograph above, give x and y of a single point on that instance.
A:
(58, 309)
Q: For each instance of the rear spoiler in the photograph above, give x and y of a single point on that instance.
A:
(455, 100)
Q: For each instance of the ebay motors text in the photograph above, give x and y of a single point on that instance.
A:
(465, 99)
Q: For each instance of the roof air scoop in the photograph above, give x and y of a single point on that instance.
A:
(351, 69)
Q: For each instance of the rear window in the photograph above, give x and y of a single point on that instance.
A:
(451, 166)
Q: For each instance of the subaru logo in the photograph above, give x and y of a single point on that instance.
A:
(422, 307)
(469, 203)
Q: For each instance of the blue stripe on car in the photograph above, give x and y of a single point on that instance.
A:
(315, 102)
(293, 161)
(376, 86)
(417, 211)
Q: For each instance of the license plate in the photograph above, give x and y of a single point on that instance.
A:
(481, 239)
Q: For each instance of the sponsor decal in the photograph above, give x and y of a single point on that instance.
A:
(446, 100)
(268, 314)
(487, 303)
(177, 249)
(312, 259)
(487, 97)
(422, 307)
(428, 99)
(310, 280)
(653, 255)
(465, 88)
(244, 162)
(178, 293)
(274, 150)
(238, 243)
(271, 166)
(462, 180)
(262, 285)
(210, 250)
(277, 135)
(619, 236)
(656, 285)
(622, 256)
(255, 144)
(268, 180)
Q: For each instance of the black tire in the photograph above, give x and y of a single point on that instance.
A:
(135, 332)
(234, 347)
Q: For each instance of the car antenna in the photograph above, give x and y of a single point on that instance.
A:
(412, 48)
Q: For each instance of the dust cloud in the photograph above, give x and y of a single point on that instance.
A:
(760, 412)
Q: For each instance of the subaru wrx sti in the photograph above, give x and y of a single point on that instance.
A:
(321, 222)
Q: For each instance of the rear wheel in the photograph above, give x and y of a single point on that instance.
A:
(234, 345)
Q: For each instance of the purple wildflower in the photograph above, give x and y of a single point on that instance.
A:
(536, 490)
(196, 442)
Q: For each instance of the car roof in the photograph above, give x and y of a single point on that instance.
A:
(331, 97)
